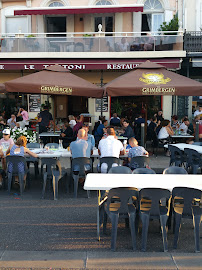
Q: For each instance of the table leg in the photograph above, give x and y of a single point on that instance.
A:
(98, 215)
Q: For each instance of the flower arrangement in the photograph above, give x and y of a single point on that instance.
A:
(29, 134)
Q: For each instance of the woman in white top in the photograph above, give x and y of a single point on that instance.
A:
(166, 130)
(72, 121)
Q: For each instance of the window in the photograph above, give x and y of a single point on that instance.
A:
(56, 4)
(16, 24)
(153, 5)
(103, 2)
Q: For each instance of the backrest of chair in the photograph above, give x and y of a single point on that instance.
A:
(15, 160)
(139, 162)
(143, 171)
(33, 145)
(175, 152)
(109, 161)
(193, 156)
(52, 145)
(120, 170)
(157, 200)
(49, 162)
(197, 143)
(189, 196)
(119, 198)
(80, 164)
(175, 170)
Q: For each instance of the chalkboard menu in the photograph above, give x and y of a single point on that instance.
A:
(104, 101)
(182, 107)
(34, 103)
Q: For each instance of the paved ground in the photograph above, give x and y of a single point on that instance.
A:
(61, 234)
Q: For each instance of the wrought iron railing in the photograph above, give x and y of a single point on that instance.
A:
(92, 42)
(193, 41)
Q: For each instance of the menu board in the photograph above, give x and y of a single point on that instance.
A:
(104, 102)
(34, 103)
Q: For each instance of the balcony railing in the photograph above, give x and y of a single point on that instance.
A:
(193, 41)
(91, 42)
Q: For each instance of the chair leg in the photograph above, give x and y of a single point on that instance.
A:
(10, 176)
(88, 194)
(196, 222)
(145, 226)
(76, 180)
(36, 168)
(132, 229)
(55, 187)
(163, 219)
(21, 181)
(177, 229)
(114, 220)
(44, 184)
(195, 169)
(105, 223)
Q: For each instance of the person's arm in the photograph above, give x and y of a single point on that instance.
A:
(170, 130)
(8, 150)
(19, 113)
(30, 153)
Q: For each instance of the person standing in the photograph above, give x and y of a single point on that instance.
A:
(25, 117)
(45, 118)
(78, 125)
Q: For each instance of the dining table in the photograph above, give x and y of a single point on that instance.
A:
(181, 137)
(182, 146)
(96, 181)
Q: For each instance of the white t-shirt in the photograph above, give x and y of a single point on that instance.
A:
(72, 123)
(197, 113)
(184, 127)
(110, 147)
(163, 133)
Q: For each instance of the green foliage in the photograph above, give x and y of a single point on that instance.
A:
(117, 107)
(173, 25)
(31, 36)
(87, 35)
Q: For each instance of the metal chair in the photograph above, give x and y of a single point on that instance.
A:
(121, 202)
(109, 161)
(143, 171)
(52, 166)
(80, 167)
(52, 145)
(154, 204)
(120, 170)
(139, 162)
(193, 161)
(176, 156)
(33, 160)
(16, 161)
(186, 204)
(174, 170)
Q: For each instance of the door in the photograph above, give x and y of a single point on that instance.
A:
(157, 20)
(61, 106)
(107, 23)
(56, 25)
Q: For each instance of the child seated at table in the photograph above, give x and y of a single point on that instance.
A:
(135, 151)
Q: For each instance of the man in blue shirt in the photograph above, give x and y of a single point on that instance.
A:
(81, 147)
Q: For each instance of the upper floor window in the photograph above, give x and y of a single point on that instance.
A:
(56, 4)
(153, 5)
(103, 2)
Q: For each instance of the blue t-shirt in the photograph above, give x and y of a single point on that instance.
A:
(136, 152)
(81, 148)
(99, 131)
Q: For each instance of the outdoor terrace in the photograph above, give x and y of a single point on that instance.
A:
(132, 42)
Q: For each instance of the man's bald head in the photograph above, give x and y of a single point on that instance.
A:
(81, 134)
(133, 142)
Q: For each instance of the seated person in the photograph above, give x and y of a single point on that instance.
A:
(79, 124)
(128, 130)
(2, 122)
(67, 135)
(19, 149)
(12, 121)
(100, 130)
(175, 122)
(110, 147)
(165, 131)
(115, 120)
(90, 137)
(187, 127)
(124, 45)
(72, 121)
(135, 151)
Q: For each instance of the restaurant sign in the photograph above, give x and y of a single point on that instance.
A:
(154, 78)
(158, 91)
(56, 90)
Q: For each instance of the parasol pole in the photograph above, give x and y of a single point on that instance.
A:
(101, 84)
(54, 113)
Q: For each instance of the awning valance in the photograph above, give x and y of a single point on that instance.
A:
(79, 10)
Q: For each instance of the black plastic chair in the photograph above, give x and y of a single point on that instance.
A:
(139, 162)
(109, 161)
(50, 173)
(174, 170)
(33, 160)
(80, 167)
(123, 203)
(193, 160)
(154, 204)
(52, 145)
(15, 161)
(186, 204)
(120, 170)
(143, 171)
(176, 156)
